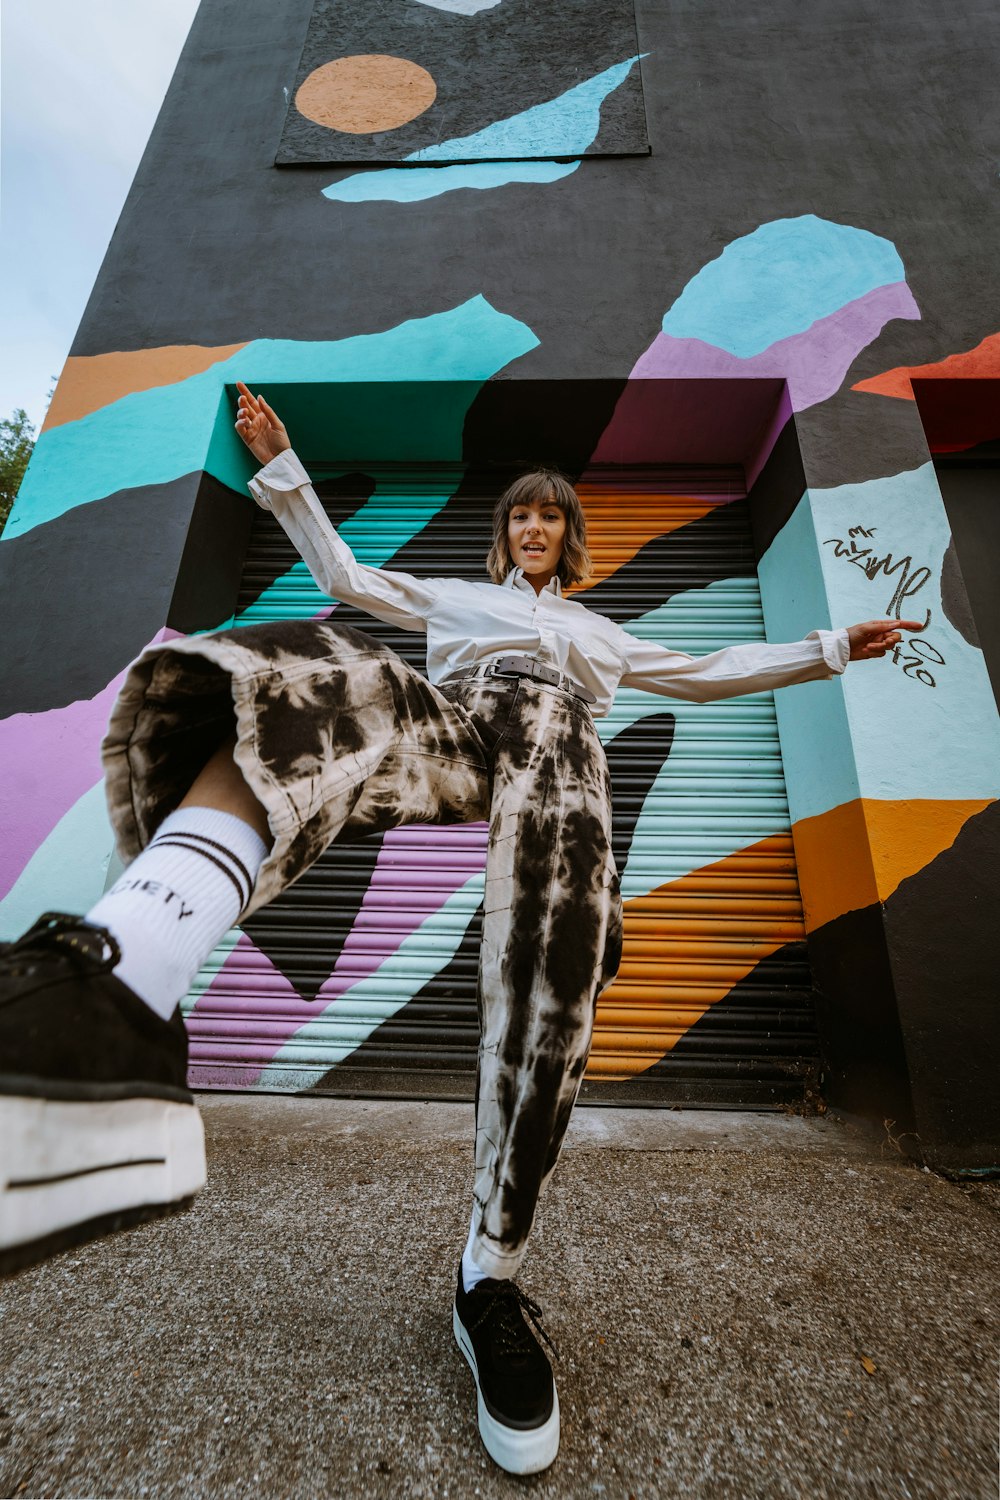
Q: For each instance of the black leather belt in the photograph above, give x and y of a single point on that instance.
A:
(523, 666)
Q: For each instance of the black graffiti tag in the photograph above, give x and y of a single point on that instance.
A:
(858, 550)
(911, 579)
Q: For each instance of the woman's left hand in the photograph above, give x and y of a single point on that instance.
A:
(876, 637)
(259, 426)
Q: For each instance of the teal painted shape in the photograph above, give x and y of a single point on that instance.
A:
(812, 718)
(734, 809)
(209, 971)
(375, 533)
(910, 739)
(879, 732)
(68, 869)
(778, 281)
(153, 436)
(564, 126)
(416, 184)
(350, 1019)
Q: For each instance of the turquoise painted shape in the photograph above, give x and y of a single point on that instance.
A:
(564, 126)
(880, 732)
(778, 281)
(657, 853)
(910, 739)
(416, 184)
(209, 970)
(378, 996)
(150, 437)
(654, 856)
(67, 871)
(812, 721)
(375, 533)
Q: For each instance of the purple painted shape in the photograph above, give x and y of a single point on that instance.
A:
(225, 1013)
(417, 869)
(758, 457)
(49, 760)
(250, 1000)
(814, 362)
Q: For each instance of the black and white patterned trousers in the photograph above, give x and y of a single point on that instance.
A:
(338, 737)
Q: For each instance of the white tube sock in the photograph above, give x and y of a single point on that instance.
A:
(173, 904)
(471, 1274)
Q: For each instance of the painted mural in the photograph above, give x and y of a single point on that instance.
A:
(526, 237)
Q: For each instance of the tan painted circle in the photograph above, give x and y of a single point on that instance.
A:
(364, 93)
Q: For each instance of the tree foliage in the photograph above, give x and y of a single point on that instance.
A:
(17, 439)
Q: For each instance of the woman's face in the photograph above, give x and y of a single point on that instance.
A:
(535, 534)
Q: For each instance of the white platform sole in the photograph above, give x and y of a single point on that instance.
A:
(519, 1452)
(70, 1170)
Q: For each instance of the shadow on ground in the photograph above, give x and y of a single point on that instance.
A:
(746, 1306)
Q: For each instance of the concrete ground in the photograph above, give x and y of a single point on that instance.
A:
(746, 1306)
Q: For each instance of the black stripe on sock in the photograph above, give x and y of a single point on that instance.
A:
(180, 842)
(219, 848)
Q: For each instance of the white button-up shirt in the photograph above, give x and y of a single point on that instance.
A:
(468, 622)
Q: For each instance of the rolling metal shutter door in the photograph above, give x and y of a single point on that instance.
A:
(361, 978)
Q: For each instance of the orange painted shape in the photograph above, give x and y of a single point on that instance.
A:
(367, 92)
(619, 525)
(90, 381)
(860, 852)
(982, 362)
(687, 945)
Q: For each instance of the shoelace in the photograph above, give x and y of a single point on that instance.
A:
(514, 1336)
(91, 948)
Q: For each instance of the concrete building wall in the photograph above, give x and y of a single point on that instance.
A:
(796, 275)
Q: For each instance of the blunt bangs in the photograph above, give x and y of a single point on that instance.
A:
(538, 487)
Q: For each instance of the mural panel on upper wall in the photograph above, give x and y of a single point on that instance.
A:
(422, 82)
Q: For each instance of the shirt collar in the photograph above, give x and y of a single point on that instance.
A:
(516, 580)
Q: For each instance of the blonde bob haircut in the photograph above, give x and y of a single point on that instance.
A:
(544, 487)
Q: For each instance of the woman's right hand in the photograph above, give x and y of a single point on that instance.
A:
(259, 426)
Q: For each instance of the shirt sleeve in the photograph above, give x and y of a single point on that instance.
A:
(734, 670)
(283, 487)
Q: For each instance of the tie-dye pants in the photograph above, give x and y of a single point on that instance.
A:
(338, 737)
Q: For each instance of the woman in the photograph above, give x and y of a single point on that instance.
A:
(335, 736)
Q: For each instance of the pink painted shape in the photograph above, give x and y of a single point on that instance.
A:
(400, 895)
(49, 760)
(814, 362)
(226, 1014)
(251, 1005)
(755, 460)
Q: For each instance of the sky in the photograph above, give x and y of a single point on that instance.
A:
(80, 88)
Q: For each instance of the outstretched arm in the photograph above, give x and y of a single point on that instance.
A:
(282, 486)
(755, 667)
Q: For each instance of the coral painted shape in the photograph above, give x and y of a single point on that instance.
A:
(980, 363)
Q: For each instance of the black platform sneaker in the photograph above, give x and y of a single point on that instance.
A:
(97, 1127)
(518, 1403)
